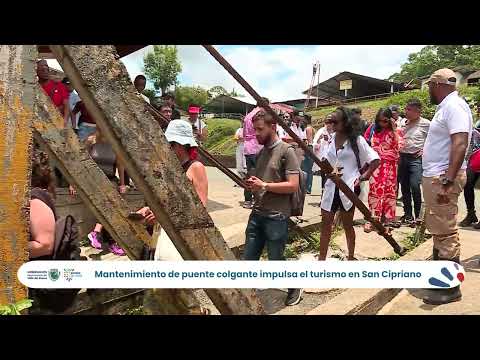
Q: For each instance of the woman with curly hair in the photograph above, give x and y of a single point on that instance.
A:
(348, 153)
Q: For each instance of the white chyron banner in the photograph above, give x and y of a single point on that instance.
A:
(240, 274)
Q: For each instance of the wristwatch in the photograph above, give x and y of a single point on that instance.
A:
(445, 181)
(265, 187)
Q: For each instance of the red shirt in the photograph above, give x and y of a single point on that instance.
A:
(57, 92)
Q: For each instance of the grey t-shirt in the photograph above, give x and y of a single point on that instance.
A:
(273, 165)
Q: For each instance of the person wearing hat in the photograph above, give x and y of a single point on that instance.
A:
(179, 134)
(199, 127)
(169, 98)
(72, 101)
(444, 175)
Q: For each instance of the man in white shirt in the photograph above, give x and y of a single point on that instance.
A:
(301, 133)
(320, 142)
(72, 101)
(444, 175)
(199, 127)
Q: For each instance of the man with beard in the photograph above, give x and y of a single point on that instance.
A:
(444, 175)
(276, 179)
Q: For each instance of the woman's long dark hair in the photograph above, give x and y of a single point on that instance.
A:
(350, 130)
(386, 112)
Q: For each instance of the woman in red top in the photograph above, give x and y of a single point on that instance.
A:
(383, 184)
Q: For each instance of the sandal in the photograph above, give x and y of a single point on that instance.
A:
(392, 224)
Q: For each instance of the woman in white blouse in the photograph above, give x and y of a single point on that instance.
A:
(347, 152)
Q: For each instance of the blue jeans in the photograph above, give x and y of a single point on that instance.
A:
(307, 165)
(263, 230)
(85, 131)
(410, 171)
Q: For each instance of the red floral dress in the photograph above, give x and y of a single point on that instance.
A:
(382, 197)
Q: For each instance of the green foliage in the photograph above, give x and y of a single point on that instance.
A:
(135, 311)
(370, 108)
(216, 91)
(434, 57)
(162, 66)
(220, 136)
(186, 95)
(298, 245)
(17, 308)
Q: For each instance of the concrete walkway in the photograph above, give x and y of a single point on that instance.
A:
(409, 302)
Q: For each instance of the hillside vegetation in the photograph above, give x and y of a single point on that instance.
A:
(221, 131)
(370, 108)
(220, 136)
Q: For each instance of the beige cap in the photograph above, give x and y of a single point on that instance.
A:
(443, 76)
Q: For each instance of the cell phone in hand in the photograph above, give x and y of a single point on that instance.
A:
(136, 217)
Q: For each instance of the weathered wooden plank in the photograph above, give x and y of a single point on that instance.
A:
(17, 84)
(98, 193)
(107, 91)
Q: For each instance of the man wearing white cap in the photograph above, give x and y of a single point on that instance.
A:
(444, 175)
(179, 134)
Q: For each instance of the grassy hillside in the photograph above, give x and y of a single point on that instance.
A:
(220, 136)
(370, 108)
(221, 131)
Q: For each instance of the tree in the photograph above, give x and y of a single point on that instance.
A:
(162, 66)
(234, 93)
(434, 57)
(217, 91)
(186, 95)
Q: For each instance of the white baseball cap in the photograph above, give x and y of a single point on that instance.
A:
(181, 132)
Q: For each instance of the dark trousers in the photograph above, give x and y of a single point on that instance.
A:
(469, 190)
(251, 161)
(307, 165)
(262, 230)
(410, 175)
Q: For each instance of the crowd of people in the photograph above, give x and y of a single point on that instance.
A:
(396, 151)
(393, 151)
(76, 116)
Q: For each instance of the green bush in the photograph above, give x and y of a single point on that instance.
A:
(220, 136)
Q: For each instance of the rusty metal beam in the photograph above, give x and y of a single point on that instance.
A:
(103, 83)
(324, 165)
(17, 86)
